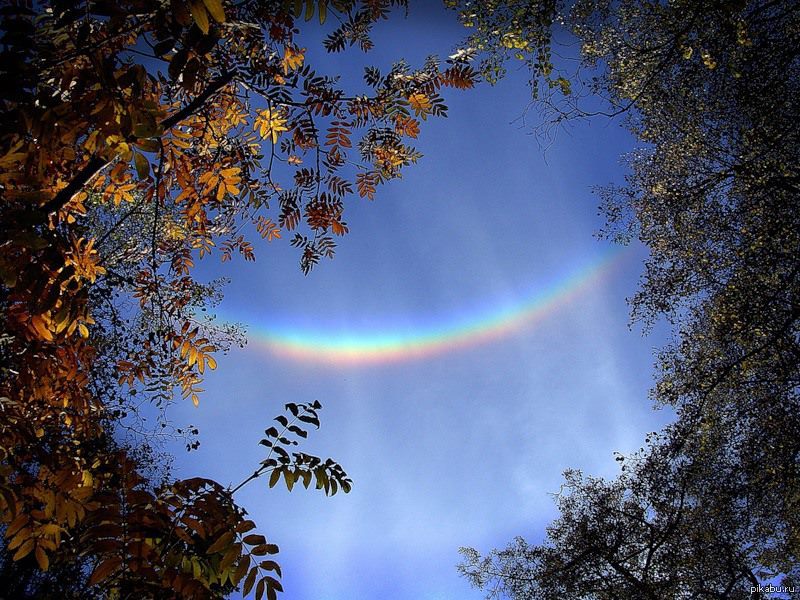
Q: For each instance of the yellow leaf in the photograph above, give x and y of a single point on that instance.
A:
(269, 123)
(212, 363)
(292, 58)
(192, 355)
(420, 103)
(50, 529)
(199, 14)
(215, 8)
(41, 558)
(39, 326)
(25, 549)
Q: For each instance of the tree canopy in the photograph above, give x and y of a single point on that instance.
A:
(140, 136)
(710, 507)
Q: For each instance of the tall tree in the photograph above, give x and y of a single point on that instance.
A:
(709, 89)
(139, 136)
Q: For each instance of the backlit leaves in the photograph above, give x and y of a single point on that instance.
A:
(327, 475)
(139, 137)
(421, 104)
(292, 59)
(270, 124)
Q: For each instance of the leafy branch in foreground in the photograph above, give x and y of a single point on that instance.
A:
(188, 536)
(140, 137)
(296, 466)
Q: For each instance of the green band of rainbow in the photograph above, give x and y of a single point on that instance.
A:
(378, 345)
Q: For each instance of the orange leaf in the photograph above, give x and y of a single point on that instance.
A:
(41, 558)
(24, 549)
(292, 59)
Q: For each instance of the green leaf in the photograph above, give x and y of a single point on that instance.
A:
(289, 478)
(142, 165)
(274, 477)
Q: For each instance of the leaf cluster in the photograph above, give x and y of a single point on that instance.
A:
(140, 137)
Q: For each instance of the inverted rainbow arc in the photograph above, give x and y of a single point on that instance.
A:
(393, 344)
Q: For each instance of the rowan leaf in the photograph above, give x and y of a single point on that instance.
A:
(41, 558)
(199, 14)
(221, 542)
(214, 8)
(104, 570)
(292, 59)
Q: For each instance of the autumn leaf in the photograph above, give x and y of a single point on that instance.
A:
(215, 9)
(420, 103)
(41, 558)
(271, 124)
(199, 14)
(222, 541)
(406, 126)
(104, 569)
(292, 59)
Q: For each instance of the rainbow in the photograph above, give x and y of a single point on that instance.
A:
(378, 345)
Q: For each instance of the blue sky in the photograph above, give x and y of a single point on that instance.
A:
(465, 447)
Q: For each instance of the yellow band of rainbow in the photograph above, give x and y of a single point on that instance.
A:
(380, 345)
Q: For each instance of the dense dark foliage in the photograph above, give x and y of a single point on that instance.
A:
(712, 505)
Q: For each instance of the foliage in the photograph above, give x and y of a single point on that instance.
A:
(708, 89)
(140, 136)
(667, 527)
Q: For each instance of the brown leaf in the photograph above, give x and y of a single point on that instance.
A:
(104, 569)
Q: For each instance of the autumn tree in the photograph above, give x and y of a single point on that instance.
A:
(140, 136)
(709, 91)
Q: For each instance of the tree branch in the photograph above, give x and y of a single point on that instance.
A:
(96, 163)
